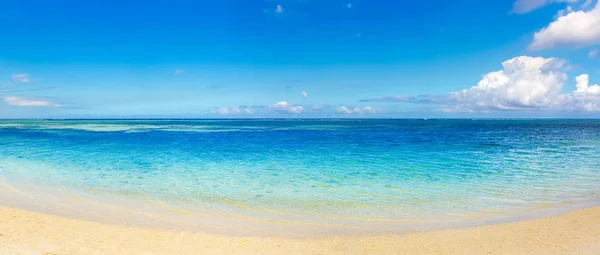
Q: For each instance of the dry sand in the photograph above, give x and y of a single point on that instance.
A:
(24, 232)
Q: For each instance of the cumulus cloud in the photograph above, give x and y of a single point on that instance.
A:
(285, 107)
(525, 6)
(593, 53)
(304, 94)
(524, 83)
(582, 85)
(344, 109)
(573, 28)
(233, 110)
(22, 102)
(21, 78)
(586, 97)
(356, 110)
(370, 110)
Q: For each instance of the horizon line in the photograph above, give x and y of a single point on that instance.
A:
(167, 118)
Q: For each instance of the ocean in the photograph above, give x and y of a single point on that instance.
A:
(307, 175)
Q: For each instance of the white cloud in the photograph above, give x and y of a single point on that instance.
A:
(585, 97)
(578, 28)
(226, 111)
(179, 72)
(285, 107)
(593, 53)
(525, 6)
(279, 9)
(305, 94)
(349, 5)
(369, 109)
(344, 110)
(582, 85)
(524, 84)
(21, 102)
(21, 78)
(233, 110)
(356, 110)
(587, 4)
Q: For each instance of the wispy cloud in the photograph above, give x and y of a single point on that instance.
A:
(22, 89)
(279, 9)
(349, 5)
(22, 102)
(525, 6)
(305, 94)
(21, 78)
(421, 99)
(389, 99)
(593, 53)
(178, 72)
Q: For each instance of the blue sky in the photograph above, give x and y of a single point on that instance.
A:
(299, 58)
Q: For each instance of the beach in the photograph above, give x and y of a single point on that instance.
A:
(299, 187)
(300, 127)
(24, 232)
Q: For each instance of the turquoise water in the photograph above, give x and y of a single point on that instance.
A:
(322, 170)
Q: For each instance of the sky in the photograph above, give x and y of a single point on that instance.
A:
(300, 59)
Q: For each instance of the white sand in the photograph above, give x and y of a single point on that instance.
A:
(24, 232)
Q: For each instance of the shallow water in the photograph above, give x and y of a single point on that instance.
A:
(327, 171)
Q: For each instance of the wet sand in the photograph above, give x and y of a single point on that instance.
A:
(24, 232)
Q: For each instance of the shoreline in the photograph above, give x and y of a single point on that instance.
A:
(146, 213)
(26, 232)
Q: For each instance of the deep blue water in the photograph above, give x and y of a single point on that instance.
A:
(371, 169)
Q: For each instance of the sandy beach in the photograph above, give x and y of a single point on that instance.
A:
(24, 232)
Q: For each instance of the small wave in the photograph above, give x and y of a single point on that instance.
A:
(129, 128)
(140, 128)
